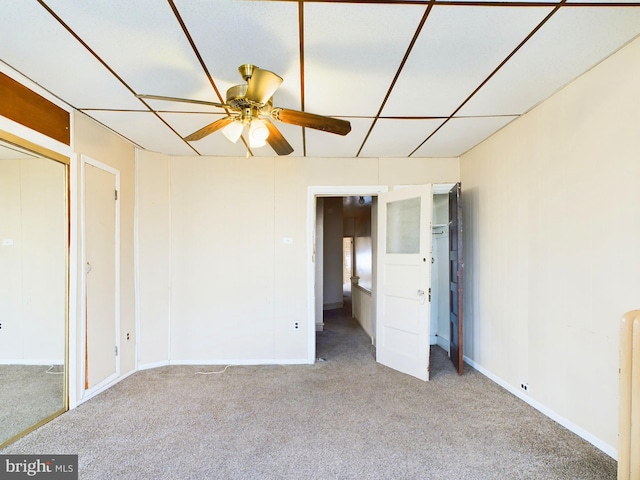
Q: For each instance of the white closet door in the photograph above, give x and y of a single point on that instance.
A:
(101, 348)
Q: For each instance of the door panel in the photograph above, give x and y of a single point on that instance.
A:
(404, 276)
(455, 278)
(101, 272)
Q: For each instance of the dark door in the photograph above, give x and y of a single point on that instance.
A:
(455, 278)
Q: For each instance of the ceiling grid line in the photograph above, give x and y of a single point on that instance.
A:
(196, 52)
(397, 85)
(469, 3)
(486, 80)
(398, 71)
(107, 66)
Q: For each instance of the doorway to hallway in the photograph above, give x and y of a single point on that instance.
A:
(319, 303)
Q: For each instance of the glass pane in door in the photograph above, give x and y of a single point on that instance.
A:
(403, 226)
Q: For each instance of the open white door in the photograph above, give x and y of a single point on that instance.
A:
(404, 280)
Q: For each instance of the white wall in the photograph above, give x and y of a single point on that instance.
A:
(93, 140)
(154, 271)
(222, 264)
(362, 310)
(33, 261)
(332, 253)
(237, 290)
(552, 255)
(363, 250)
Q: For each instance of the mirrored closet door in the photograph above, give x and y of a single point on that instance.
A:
(34, 236)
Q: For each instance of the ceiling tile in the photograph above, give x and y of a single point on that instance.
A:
(142, 41)
(232, 33)
(323, 144)
(145, 129)
(461, 134)
(352, 52)
(571, 42)
(398, 138)
(457, 49)
(35, 44)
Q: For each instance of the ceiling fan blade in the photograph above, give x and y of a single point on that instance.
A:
(276, 140)
(182, 100)
(310, 120)
(212, 127)
(262, 85)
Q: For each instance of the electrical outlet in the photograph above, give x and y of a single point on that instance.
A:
(296, 325)
(524, 386)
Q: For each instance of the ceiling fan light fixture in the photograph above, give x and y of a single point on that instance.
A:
(248, 102)
(233, 131)
(258, 133)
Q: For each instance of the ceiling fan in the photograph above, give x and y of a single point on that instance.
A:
(251, 104)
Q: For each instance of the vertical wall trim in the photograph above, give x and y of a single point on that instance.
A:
(74, 211)
(170, 293)
(136, 257)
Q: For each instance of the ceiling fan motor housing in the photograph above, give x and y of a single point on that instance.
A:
(236, 97)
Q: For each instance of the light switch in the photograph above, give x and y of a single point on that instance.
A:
(7, 242)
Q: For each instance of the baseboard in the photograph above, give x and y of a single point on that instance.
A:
(243, 362)
(319, 327)
(149, 366)
(105, 387)
(572, 427)
(433, 339)
(443, 343)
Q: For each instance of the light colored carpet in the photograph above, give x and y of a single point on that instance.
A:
(344, 418)
(28, 394)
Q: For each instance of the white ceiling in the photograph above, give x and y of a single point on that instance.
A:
(414, 78)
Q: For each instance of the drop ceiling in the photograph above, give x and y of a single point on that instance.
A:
(414, 78)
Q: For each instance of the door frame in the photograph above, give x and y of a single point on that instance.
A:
(312, 193)
(337, 191)
(86, 394)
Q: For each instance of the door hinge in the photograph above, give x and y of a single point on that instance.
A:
(429, 294)
(116, 194)
(116, 350)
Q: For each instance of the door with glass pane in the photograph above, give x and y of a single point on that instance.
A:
(404, 280)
